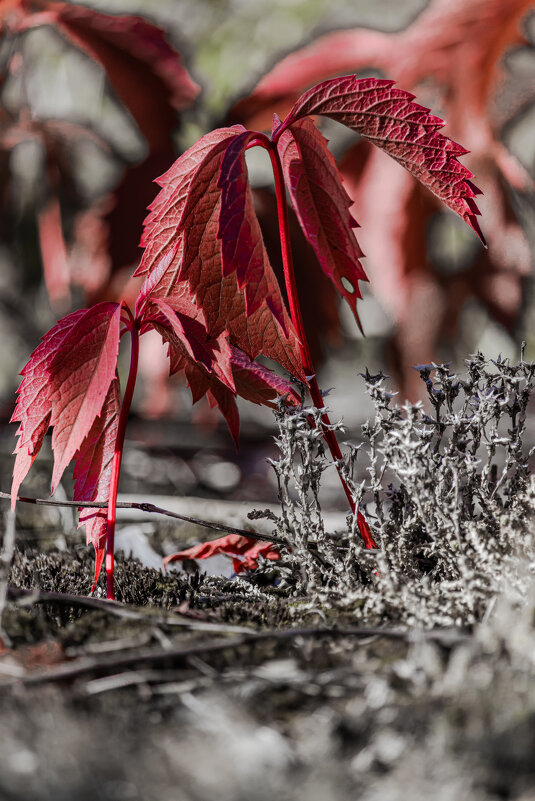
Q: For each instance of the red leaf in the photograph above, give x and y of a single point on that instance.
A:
(81, 374)
(257, 383)
(33, 409)
(212, 367)
(65, 385)
(403, 129)
(244, 550)
(322, 206)
(242, 246)
(92, 472)
(253, 382)
(53, 252)
(195, 343)
(181, 233)
(144, 69)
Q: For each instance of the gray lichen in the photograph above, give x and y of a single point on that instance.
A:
(448, 494)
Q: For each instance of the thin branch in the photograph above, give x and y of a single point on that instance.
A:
(152, 509)
(153, 658)
(147, 615)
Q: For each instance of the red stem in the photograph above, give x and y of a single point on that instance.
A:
(118, 455)
(297, 320)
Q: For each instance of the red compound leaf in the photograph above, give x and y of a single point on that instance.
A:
(389, 118)
(182, 247)
(65, 385)
(92, 472)
(322, 206)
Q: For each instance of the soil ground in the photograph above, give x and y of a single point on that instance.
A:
(200, 687)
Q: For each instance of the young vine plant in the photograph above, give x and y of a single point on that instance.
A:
(210, 292)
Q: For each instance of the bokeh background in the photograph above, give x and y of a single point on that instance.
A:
(78, 155)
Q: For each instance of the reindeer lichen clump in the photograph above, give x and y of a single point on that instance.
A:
(451, 494)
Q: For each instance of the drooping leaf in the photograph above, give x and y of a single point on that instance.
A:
(322, 206)
(389, 118)
(257, 383)
(143, 68)
(81, 374)
(92, 472)
(452, 57)
(65, 385)
(33, 409)
(245, 552)
(195, 343)
(212, 367)
(182, 229)
(242, 247)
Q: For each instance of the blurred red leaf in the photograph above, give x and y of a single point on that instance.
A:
(53, 252)
(141, 65)
(149, 78)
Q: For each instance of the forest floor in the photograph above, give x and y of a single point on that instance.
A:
(199, 687)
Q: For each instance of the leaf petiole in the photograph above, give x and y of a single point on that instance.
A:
(133, 327)
(295, 312)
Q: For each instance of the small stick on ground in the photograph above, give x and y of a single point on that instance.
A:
(153, 658)
(152, 509)
(118, 609)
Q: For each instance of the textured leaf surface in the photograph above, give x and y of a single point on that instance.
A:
(259, 384)
(65, 385)
(242, 247)
(244, 551)
(317, 294)
(92, 472)
(322, 206)
(212, 367)
(81, 374)
(389, 118)
(192, 344)
(181, 233)
(70, 383)
(451, 56)
(33, 409)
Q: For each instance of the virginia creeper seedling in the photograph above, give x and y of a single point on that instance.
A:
(210, 291)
